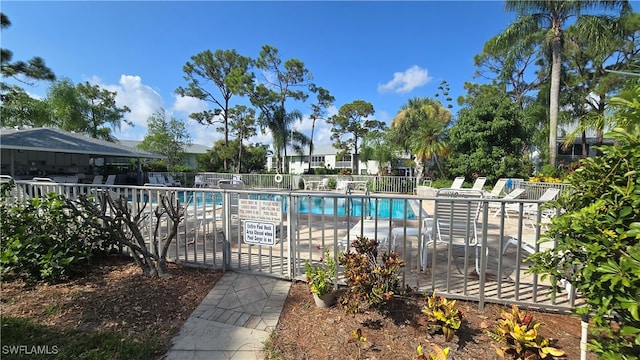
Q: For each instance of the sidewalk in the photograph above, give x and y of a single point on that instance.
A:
(233, 319)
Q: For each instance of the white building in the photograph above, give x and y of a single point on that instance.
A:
(327, 157)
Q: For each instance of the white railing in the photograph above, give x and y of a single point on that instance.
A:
(378, 184)
(212, 234)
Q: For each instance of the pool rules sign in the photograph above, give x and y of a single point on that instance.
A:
(259, 233)
(260, 218)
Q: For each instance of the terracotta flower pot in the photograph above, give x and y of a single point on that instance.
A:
(325, 301)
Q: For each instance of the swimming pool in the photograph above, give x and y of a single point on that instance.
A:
(198, 197)
(381, 208)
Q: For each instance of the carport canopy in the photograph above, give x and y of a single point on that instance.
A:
(24, 147)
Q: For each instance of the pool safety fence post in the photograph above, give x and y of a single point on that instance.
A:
(226, 226)
(292, 250)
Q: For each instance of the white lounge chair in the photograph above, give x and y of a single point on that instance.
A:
(497, 206)
(531, 209)
(479, 183)
(202, 213)
(172, 182)
(111, 180)
(97, 180)
(457, 182)
(528, 243)
(154, 180)
(497, 190)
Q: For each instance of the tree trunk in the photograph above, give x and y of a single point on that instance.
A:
(313, 126)
(419, 169)
(554, 97)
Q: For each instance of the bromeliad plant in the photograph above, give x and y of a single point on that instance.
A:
(320, 276)
(442, 315)
(517, 334)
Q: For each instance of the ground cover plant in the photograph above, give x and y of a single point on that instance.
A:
(305, 331)
(376, 319)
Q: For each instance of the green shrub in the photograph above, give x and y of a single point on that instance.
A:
(332, 183)
(598, 247)
(45, 239)
(442, 183)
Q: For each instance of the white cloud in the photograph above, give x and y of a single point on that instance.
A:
(188, 105)
(141, 99)
(203, 134)
(404, 82)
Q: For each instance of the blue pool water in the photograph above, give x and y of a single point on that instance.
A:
(317, 205)
(381, 208)
(199, 197)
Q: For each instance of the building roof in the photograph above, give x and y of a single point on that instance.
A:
(193, 149)
(56, 140)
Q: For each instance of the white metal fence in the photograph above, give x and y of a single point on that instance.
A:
(213, 234)
(378, 184)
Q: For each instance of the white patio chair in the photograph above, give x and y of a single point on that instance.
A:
(199, 181)
(426, 189)
(457, 182)
(455, 222)
(308, 185)
(324, 185)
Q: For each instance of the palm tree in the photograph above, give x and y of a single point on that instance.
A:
(418, 128)
(296, 139)
(595, 58)
(324, 100)
(550, 18)
(281, 126)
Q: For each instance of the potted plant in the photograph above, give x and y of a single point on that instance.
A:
(320, 279)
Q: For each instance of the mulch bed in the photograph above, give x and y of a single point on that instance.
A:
(307, 332)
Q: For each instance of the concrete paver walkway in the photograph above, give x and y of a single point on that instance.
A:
(233, 319)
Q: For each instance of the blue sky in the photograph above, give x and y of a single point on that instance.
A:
(382, 52)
